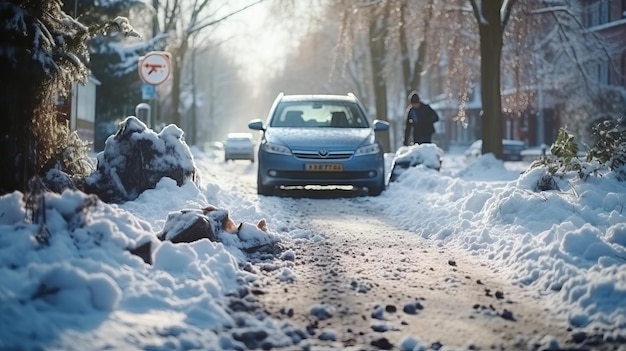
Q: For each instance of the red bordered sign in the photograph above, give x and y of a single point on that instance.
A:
(155, 67)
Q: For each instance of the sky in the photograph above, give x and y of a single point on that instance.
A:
(85, 290)
(263, 34)
(252, 32)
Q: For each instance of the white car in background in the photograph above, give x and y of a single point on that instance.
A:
(511, 150)
(239, 146)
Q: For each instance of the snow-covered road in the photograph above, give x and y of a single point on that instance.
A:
(382, 286)
(358, 281)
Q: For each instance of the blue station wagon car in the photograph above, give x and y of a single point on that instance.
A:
(319, 140)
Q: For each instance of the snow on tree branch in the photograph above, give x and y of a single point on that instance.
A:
(118, 24)
(507, 7)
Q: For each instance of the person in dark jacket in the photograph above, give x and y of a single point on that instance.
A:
(420, 120)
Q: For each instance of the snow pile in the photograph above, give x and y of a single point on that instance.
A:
(136, 158)
(82, 270)
(70, 278)
(427, 155)
(568, 246)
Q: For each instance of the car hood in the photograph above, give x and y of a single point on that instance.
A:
(314, 138)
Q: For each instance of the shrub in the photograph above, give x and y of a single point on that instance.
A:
(610, 145)
(136, 159)
(564, 156)
(608, 151)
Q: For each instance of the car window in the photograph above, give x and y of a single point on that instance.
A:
(313, 114)
(239, 138)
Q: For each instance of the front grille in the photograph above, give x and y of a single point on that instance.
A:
(315, 155)
(322, 175)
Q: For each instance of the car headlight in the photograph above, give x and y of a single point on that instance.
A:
(276, 149)
(367, 150)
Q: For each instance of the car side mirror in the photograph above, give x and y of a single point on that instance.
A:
(380, 125)
(256, 124)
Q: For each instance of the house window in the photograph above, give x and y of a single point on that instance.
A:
(623, 69)
(590, 17)
(598, 12)
(605, 11)
(602, 73)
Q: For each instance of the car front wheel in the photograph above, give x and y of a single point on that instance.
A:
(376, 190)
(263, 189)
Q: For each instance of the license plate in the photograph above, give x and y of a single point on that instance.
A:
(324, 167)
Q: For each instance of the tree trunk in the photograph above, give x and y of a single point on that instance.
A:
(16, 137)
(177, 68)
(377, 54)
(490, 52)
(155, 18)
(411, 71)
(404, 52)
(412, 75)
(31, 134)
(193, 128)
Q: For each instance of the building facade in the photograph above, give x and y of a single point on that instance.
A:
(607, 18)
(540, 122)
(78, 109)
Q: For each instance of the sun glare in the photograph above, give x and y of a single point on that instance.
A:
(257, 44)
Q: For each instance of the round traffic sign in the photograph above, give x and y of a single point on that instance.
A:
(154, 67)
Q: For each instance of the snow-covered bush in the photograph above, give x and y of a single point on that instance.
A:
(608, 154)
(610, 145)
(135, 158)
(69, 165)
(563, 159)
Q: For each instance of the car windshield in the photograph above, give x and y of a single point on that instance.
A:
(316, 114)
(238, 137)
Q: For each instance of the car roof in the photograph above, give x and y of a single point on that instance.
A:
(239, 135)
(504, 142)
(319, 97)
(513, 142)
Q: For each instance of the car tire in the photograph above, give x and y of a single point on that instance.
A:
(263, 189)
(376, 190)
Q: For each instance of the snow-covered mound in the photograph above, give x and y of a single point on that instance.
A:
(135, 158)
(428, 155)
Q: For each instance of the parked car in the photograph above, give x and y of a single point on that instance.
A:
(239, 146)
(319, 140)
(511, 150)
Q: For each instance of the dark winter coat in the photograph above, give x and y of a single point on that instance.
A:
(419, 124)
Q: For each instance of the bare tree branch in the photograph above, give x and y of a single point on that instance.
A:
(507, 8)
(213, 22)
